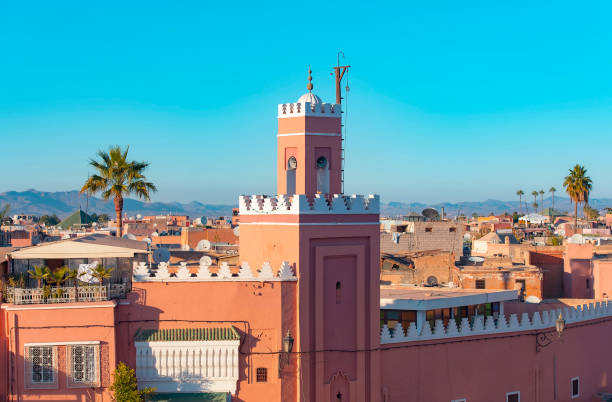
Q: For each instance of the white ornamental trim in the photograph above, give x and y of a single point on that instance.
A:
(143, 273)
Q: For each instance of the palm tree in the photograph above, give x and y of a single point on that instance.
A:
(535, 201)
(58, 277)
(520, 193)
(578, 186)
(542, 198)
(101, 273)
(75, 274)
(552, 192)
(116, 177)
(39, 273)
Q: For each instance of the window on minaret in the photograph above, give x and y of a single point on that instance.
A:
(291, 168)
(338, 292)
(322, 175)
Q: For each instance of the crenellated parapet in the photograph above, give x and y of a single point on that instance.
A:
(302, 204)
(480, 326)
(208, 273)
(299, 109)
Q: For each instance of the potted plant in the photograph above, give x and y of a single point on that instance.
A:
(76, 275)
(40, 274)
(101, 273)
(58, 277)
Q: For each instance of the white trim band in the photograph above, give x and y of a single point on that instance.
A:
(318, 134)
(61, 343)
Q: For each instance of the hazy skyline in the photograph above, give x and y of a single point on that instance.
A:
(452, 102)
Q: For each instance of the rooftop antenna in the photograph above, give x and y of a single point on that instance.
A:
(339, 73)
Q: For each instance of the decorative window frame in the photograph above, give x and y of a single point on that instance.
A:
(574, 396)
(28, 367)
(71, 382)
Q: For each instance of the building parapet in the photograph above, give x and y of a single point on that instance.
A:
(302, 204)
(480, 326)
(144, 273)
(299, 109)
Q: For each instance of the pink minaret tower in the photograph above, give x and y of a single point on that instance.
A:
(331, 242)
(309, 146)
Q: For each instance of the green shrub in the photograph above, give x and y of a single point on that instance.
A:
(125, 386)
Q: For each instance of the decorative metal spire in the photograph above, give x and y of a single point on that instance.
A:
(309, 86)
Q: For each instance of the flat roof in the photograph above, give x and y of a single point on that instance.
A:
(416, 298)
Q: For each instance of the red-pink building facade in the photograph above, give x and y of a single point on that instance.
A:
(309, 269)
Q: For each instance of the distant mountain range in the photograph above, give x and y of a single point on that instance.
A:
(488, 206)
(63, 203)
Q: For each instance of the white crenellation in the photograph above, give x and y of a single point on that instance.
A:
(245, 270)
(183, 272)
(285, 271)
(538, 321)
(398, 331)
(302, 204)
(478, 324)
(224, 273)
(140, 269)
(266, 271)
(299, 109)
(204, 272)
(162, 270)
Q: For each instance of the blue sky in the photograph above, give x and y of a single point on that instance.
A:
(449, 101)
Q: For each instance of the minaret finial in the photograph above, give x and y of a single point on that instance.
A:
(309, 86)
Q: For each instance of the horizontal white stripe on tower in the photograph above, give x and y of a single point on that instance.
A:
(319, 134)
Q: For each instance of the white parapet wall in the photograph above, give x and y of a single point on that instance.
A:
(301, 204)
(144, 273)
(300, 109)
(480, 326)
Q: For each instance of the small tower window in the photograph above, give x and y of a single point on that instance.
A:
(322, 175)
(321, 162)
(291, 168)
(338, 292)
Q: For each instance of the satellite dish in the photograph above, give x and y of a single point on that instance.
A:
(206, 260)
(476, 259)
(430, 213)
(533, 299)
(147, 240)
(161, 255)
(432, 281)
(203, 245)
(154, 234)
(237, 231)
(138, 216)
(129, 236)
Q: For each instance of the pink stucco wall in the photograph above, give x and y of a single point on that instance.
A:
(47, 324)
(484, 369)
(259, 311)
(602, 278)
(577, 271)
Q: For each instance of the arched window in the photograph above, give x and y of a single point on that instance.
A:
(322, 175)
(338, 292)
(291, 167)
